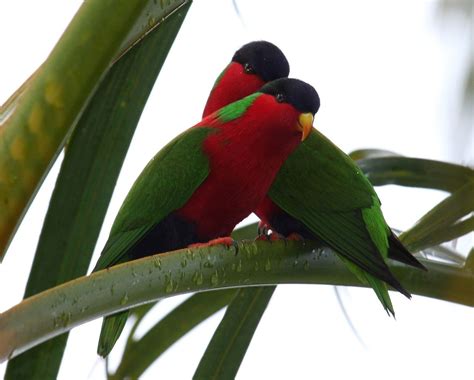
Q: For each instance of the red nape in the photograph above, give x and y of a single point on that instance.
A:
(244, 157)
(233, 85)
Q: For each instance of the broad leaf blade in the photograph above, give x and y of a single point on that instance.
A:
(415, 172)
(92, 162)
(36, 120)
(444, 215)
(64, 307)
(442, 235)
(229, 344)
(140, 354)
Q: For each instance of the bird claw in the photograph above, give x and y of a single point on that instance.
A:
(266, 233)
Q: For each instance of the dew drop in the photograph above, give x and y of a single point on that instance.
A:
(197, 278)
(157, 263)
(215, 278)
(268, 265)
(169, 285)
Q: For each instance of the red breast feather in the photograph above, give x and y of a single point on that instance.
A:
(237, 181)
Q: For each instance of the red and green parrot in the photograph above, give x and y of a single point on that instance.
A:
(209, 178)
(319, 192)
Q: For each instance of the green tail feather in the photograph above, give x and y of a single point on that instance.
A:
(112, 327)
(379, 287)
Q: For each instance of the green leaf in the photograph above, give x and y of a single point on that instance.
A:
(441, 217)
(444, 234)
(140, 354)
(91, 165)
(36, 121)
(255, 263)
(360, 154)
(415, 172)
(138, 314)
(228, 346)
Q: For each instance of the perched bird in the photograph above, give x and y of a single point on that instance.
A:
(209, 178)
(340, 208)
(319, 193)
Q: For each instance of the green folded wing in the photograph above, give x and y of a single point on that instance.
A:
(323, 188)
(165, 185)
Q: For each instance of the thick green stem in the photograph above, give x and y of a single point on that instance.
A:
(64, 307)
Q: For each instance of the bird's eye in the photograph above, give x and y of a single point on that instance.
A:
(280, 98)
(249, 69)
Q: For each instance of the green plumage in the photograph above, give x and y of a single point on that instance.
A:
(236, 109)
(323, 188)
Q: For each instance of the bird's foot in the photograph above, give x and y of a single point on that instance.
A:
(265, 232)
(227, 241)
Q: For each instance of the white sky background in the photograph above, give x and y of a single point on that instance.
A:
(389, 74)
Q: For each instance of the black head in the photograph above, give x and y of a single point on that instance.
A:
(299, 94)
(263, 59)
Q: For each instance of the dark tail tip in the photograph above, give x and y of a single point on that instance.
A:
(398, 252)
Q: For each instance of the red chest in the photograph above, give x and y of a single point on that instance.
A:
(244, 157)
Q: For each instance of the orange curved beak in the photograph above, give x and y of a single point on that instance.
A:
(305, 124)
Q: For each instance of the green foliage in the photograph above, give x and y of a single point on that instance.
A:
(91, 165)
(35, 128)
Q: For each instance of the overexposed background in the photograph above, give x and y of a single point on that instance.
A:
(390, 75)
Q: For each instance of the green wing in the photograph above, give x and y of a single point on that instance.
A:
(165, 185)
(323, 188)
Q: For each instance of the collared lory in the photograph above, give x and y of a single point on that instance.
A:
(209, 178)
(319, 193)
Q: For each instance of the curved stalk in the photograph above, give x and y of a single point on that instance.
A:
(64, 307)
